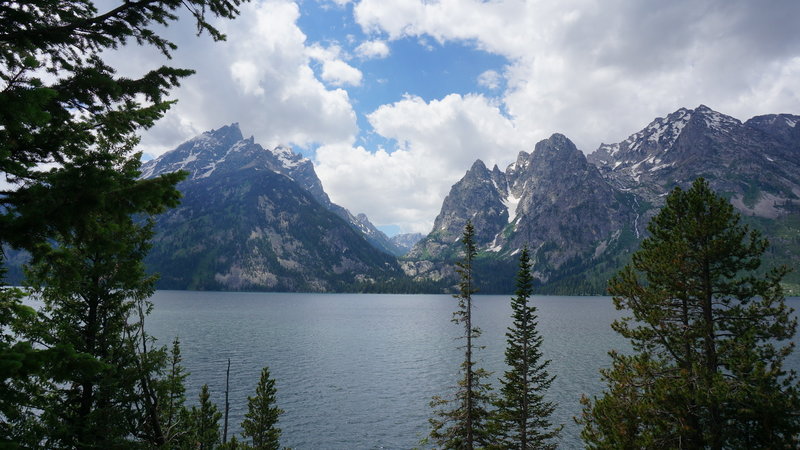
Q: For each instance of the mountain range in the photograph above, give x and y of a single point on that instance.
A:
(253, 218)
(258, 219)
(582, 216)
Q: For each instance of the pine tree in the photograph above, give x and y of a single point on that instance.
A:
(172, 397)
(522, 417)
(709, 336)
(85, 373)
(462, 422)
(260, 423)
(204, 423)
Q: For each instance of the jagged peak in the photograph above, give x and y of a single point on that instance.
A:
(228, 132)
(288, 157)
(478, 166)
(556, 144)
(715, 120)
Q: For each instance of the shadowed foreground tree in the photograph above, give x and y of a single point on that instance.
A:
(709, 337)
(462, 422)
(204, 422)
(260, 423)
(93, 284)
(81, 375)
(522, 417)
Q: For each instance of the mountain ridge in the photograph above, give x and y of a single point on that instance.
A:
(583, 215)
(257, 219)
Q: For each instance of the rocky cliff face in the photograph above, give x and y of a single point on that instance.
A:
(223, 150)
(406, 241)
(551, 200)
(755, 163)
(256, 219)
(582, 216)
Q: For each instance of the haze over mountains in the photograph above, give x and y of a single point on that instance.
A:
(259, 219)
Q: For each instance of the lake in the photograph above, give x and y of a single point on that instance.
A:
(357, 371)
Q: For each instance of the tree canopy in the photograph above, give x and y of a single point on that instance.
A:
(709, 337)
(81, 373)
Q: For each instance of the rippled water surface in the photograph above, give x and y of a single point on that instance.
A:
(357, 371)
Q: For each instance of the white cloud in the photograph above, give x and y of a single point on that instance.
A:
(372, 49)
(262, 78)
(339, 73)
(489, 79)
(334, 70)
(437, 142)
(598, 71)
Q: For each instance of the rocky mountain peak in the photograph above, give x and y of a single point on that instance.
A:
(227, 134)
(557, 149)
(713, 120)
(478, 170)
(782, 127)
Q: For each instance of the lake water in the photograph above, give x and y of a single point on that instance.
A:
(357, 371)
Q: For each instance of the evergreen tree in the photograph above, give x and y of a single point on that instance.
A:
(204, 424)
(462, 422)
(522, 417)
(260, 423)
(92, 282)
(80, 376)
(709, 338)
(172, 397)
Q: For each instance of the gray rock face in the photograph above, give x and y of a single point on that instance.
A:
(257, 219)
(581, 215)
(563, 203)
(224, 150)
(756, 164)
(477, 197)
(551, 200)
(406, 241)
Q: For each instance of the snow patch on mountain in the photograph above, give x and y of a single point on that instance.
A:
(512, 203)
(287, 157)
(717, 121)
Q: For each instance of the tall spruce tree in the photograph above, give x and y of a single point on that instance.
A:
(204, 422)
(709, 335)
(62, 105)
(462, 422)
(260, 423)
(94, 287)
(174, 417)
(522, 417)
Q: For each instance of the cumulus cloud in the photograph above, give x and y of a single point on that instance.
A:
(372, 49)
(263, 78)
(339, 73)
(436, 142)
(489, 79)
(598, 71)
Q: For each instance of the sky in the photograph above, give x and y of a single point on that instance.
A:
(393, 100)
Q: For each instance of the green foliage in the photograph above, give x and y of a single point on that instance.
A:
(80, 373)
(462, 421)
(260, 423)
(522, 417)
(173, 415)
(204, 423)
(709, 336)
